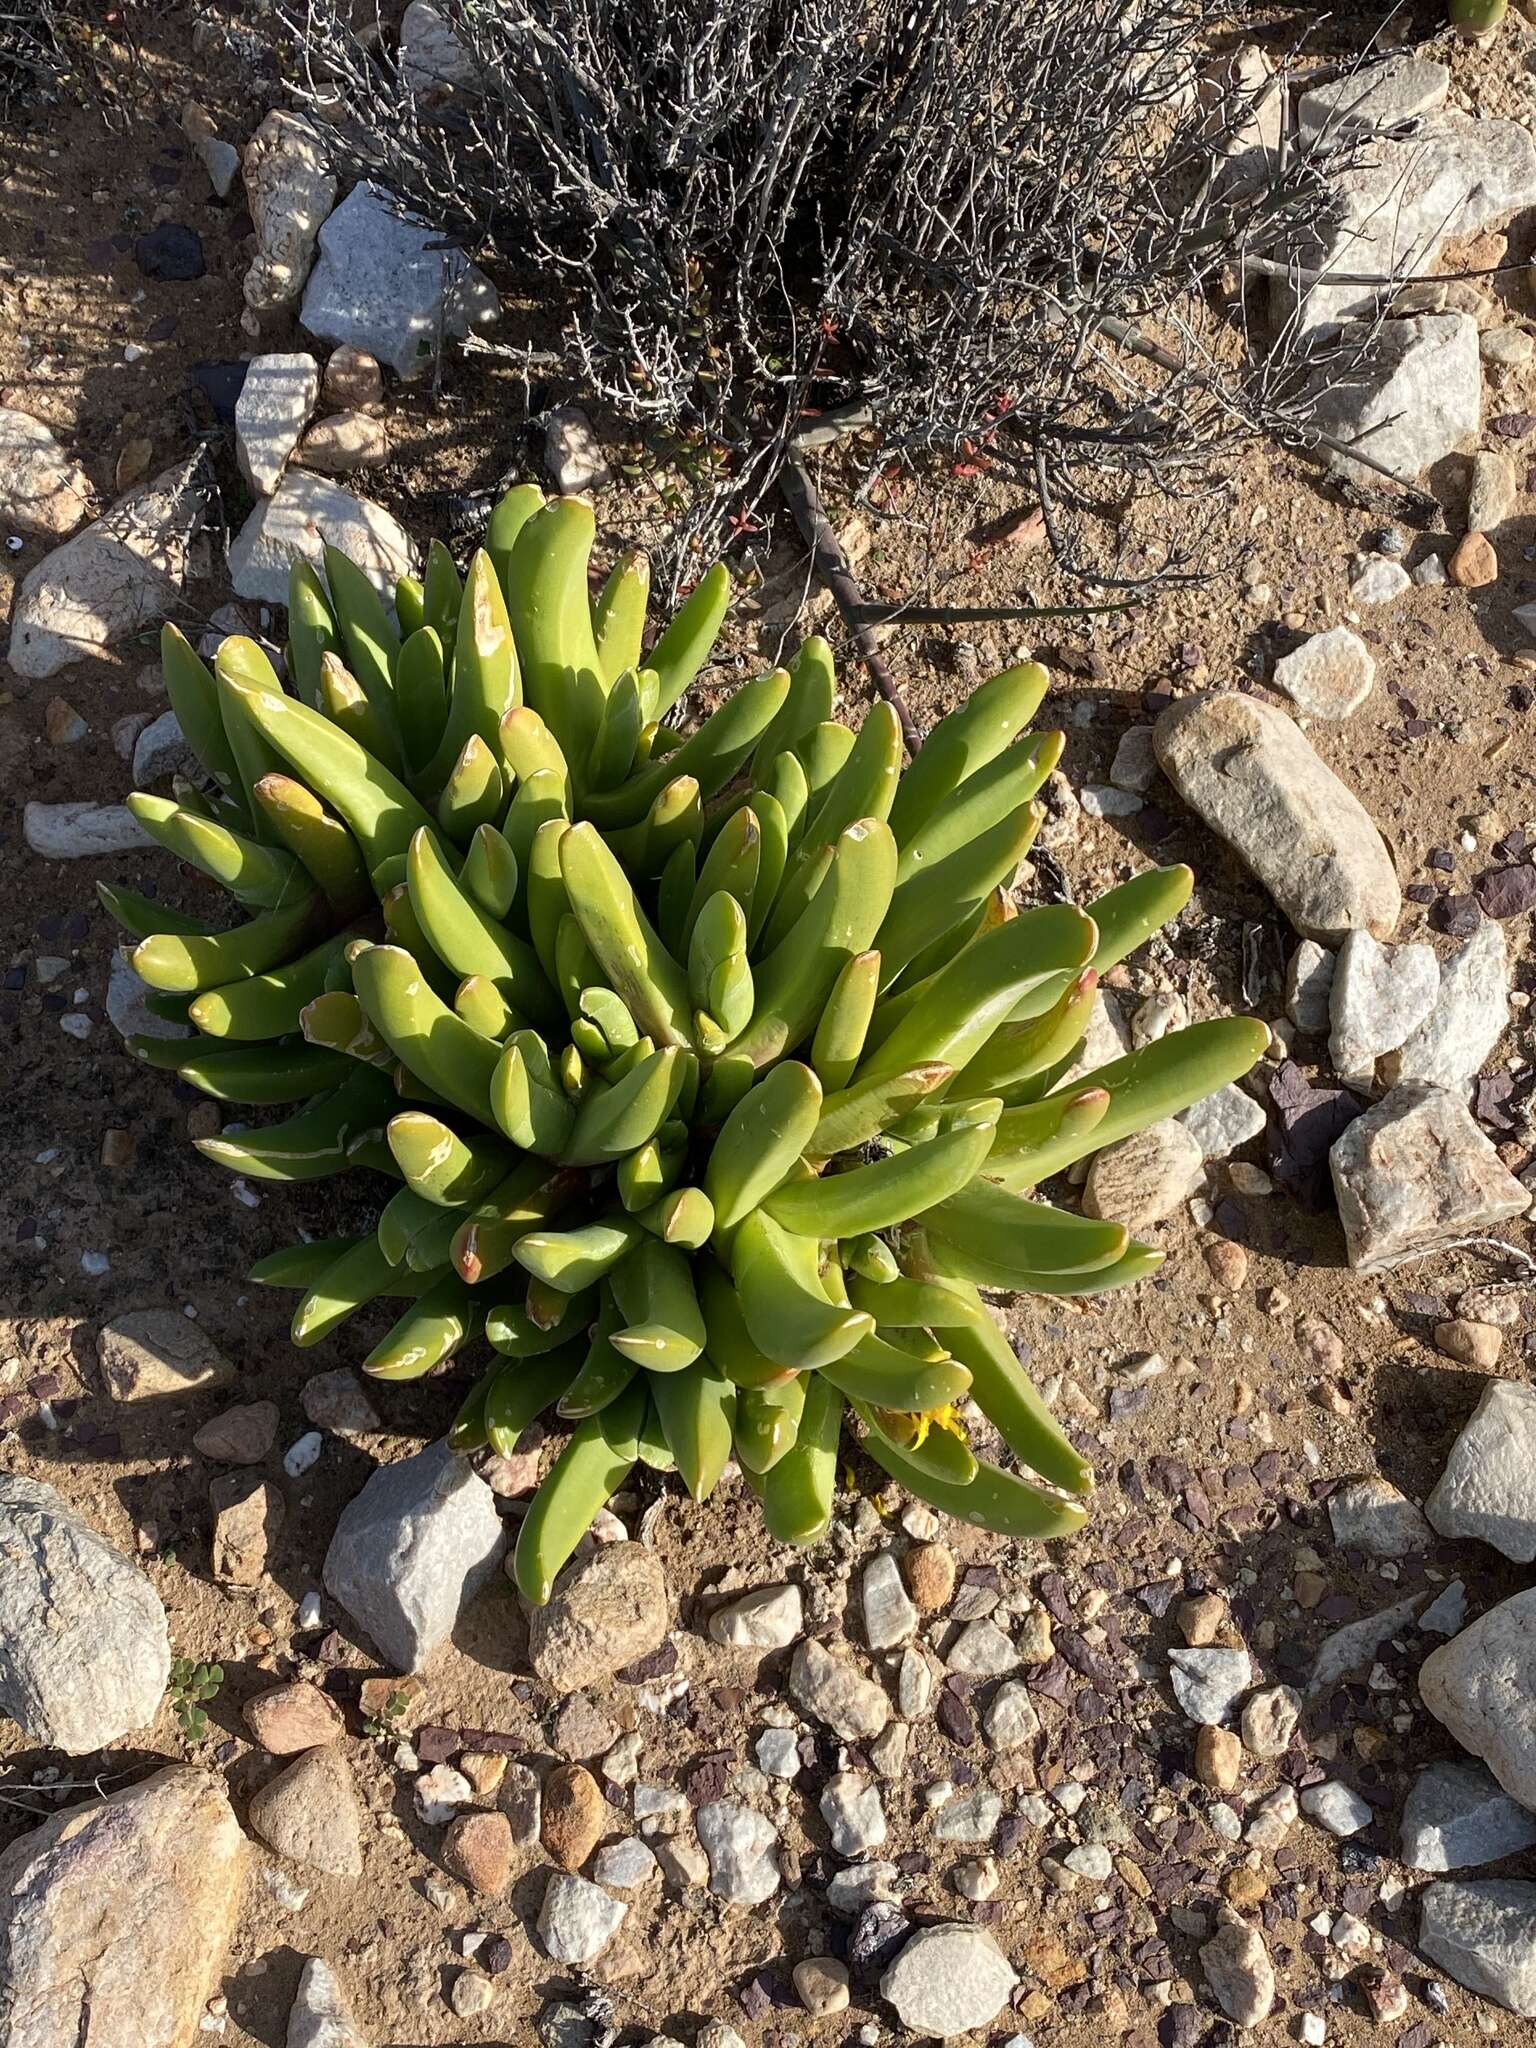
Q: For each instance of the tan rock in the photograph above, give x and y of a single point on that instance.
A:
(41, 490)
(930, 1575)
(247, 1515)
(1469, 1343)
(353, 378)
(1473, 564)
(477, 1849)
(345, 441)
(115, 1915)
(1144, 1178)
(1202, 1618)
(152, 1353)
(606, 1611)
(240, 1436)
(293, 1717)
(309, 1813)
(575, 1815)
(1218, 1759)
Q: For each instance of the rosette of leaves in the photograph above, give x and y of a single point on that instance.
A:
(713, 1070)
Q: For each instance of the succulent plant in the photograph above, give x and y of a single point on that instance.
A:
(713, 1070)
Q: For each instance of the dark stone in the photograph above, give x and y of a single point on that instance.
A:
(171, 253)
(1506, 892)
(877, 1934)
(1307, 1120)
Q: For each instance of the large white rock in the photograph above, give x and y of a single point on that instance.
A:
(272, 411)
(578, 1919)
(115, 1916)
(431, 55)
(1488, 1488)
(1456, 1817)
(412, 1550)
(947, 1980)
(1398, 200)
(382, 285)
(119, 573)
(1482, 1932)
(82, 830)
(290, 190)
(41, 489)
(1374, 98)
(1415, 1172)
(320, 2016)
(1468, 1018)
(304, 513)
(1482, 1685)
(1380, 996)
(85, 1653)
(1416, 396)
(1248, 771)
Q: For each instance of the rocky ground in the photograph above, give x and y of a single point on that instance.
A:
(1258, 1750)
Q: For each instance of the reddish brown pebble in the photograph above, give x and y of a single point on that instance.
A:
(1469, 1343)
(477, 1849)
(240, 1436)
(1218, 1759)
(1201, 1619)
(930, 1575)
(1474, 564)
(575, 1814)
(1228, 1264)
(1244, 1889)
(293, 1717)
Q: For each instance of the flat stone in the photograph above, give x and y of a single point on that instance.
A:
(1223, 1121)
(1380, 997)
(1336, 1807)
(1375, 1516)
(1492, 493)
(84, 1647)
(1011, 1719)
(1309, 987)
(947, 1980)
(836, 1693)
(822, 1984)
(1482, 1686)
(287, 1719)
(248, 1515)
(1456, 1817)
(1351, 1648)
(1242, 1978)
(82, 830)
(345, 441)
(310, 1814)
(122, 572)
(982, 1650)
(1209, 1683)
(1446, 1615)
(1374, 98)
(240, 1436)
(1474, 565)
(890, 1617)
(382, 284)
(304, 513)
(1413, 1173)
(1249, 772)
(1414, 399)
(767, 1618)
(626, 1865)
(127, 1004)
(1482, 1933)
(606, 1611)
(741, 1846)
(290, 190)
(973, 1817)
(1270, 1720)
(1487, 1492)
(116, 1913)
(1467, 1020)
(850, 1806)
(321, 2016)
(1144, 1178)
(1328, 676)
(578, 1920)
(412, 1550)
(273, 408)
(154, 1354)
(42, 491)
